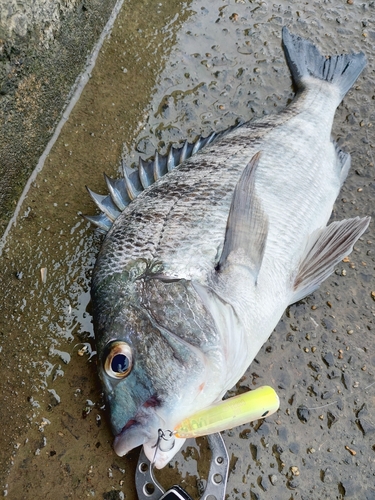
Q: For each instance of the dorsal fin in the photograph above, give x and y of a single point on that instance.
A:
(122, 191)
(247, 224)
(325, 248)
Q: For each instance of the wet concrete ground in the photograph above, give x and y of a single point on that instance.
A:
(169, 72)
(44, 45)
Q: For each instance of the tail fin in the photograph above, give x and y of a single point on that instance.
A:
(304, 60)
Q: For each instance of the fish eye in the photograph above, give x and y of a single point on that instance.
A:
(118, 359)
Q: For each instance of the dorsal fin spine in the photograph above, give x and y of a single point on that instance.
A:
(142, 172)
(122, 191)
(117, 191)
(130, 187)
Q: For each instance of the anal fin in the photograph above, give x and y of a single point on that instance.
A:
(326, 247)
(247, 224)
(343, 162)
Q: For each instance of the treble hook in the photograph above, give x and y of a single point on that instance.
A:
(165, 442)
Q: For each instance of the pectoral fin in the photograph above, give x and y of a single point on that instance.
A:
(325, 248)
(247, 224)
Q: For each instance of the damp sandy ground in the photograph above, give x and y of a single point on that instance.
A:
(171, 71)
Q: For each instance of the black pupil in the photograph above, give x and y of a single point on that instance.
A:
(120, 363)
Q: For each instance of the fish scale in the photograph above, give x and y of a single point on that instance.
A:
(196, 270)
(182, 192)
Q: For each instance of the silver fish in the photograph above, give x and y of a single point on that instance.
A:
(207, 246)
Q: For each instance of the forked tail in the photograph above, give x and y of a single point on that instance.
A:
(305, 61)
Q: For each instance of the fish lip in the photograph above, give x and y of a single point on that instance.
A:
(137, 430)
(128, 424)
(129, 438)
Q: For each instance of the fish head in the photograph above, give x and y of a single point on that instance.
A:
(157, 346)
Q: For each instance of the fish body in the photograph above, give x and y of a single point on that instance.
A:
(196, 271)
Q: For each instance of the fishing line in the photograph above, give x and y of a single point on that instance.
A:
(334, 402)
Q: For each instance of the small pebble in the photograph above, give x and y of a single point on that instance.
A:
(314, 307)
(346, 380)
(311, 450)
(294, 448)
(373, 295)
(82, 351)
(273, 479)
(368, 428)
(350, 2)
(264, 483)
(303, 414)
(331, 419)
(327, 476)
(306, 349)
(327, 394)
(294, 470)
(352, 489)
(329, 359)
(352, 452)
(350, 332)
(43, 274)
(313, 349)
(293, 483)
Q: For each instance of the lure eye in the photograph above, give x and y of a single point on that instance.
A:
(118, 359)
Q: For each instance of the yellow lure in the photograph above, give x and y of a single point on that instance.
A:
(227, 414)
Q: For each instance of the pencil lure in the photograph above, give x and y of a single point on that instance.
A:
(230, 413)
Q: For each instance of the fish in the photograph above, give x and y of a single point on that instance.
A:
(206, 246)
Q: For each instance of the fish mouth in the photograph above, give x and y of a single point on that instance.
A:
(143, 429)
(135, 434)
(140, 428)
(132, 435)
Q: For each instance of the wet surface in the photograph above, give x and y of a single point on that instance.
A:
(170, 72)
(44, 47)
